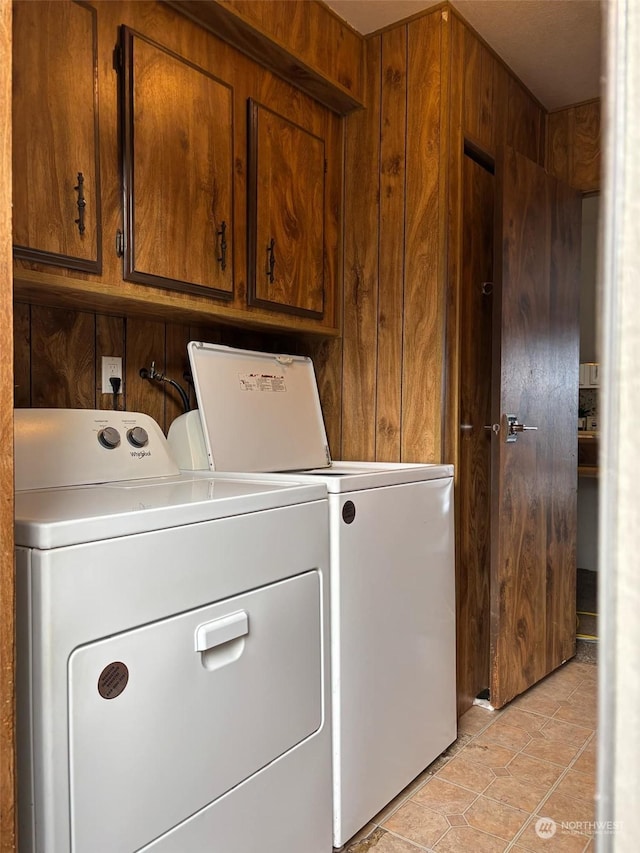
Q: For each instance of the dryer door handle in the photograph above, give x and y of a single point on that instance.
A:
(219, 631)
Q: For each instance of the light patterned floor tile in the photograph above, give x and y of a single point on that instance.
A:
(569, 810)
(503, 734)
(566, 732)
(496, 818)
(554, 751)
(444, 797)
(582, 786)
(535, 770)
(489, 754)
(561, 842)
(418, 824)
(520, 794)
(523, 720)
(467, 773)
(467, 838)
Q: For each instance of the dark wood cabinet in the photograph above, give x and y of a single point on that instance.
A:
(286, 213)
(188, 182)
(177, 151)
(56, 165)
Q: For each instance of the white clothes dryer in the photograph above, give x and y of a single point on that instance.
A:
(392, 568)
(173, 667)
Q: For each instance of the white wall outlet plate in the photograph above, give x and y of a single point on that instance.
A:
(111, 367)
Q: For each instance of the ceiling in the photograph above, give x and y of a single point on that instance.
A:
(553, 46)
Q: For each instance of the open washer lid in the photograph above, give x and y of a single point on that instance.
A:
(260, 412)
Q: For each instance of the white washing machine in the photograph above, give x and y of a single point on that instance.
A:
(392, 568)
(173, 667)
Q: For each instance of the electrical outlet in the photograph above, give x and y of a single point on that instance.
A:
(111, 367)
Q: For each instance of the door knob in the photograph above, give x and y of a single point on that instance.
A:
(515, 427)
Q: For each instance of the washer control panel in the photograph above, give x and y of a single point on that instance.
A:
(68, 447)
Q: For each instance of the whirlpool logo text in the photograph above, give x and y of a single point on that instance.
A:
(140, 454)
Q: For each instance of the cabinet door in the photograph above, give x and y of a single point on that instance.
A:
(286, 215)
(56, 173)
(177, 171)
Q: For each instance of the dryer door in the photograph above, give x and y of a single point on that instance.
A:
(167, 717)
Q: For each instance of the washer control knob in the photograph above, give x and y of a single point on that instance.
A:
(138, 437)
(109, 437)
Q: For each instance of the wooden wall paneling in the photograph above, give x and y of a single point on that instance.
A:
(422, 319)
(21, 355)
(444, 183)
(145, 344)
(486, 112)
(176, 363)
(334, 144)
(471, 69)
(7, 574)
(109, 341)
(542, 137)
(573, 145)
(501, 105)
(558, 145)
(465, 639)
(455, 220)
(585, 147)
(360, 319)
(210, 334)
(393, 123)
(326, 354)
(62, 358)
(525, 123)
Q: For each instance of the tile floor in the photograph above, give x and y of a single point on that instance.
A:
(533, 759)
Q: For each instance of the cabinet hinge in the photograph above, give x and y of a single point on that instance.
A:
(118, 58)
(119, 244)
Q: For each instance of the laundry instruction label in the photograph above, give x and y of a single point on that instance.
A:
(262, 382)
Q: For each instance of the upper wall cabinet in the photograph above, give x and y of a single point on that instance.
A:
(286, 211)
(177, 153)
(56, 169)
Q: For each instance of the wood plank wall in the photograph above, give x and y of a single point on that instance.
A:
(7, 584)
(573, 145)
(58, 360)
(393, 305)
(430, 83)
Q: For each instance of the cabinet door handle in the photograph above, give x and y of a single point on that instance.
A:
(222, 234)
(271, 259)
(81, 203)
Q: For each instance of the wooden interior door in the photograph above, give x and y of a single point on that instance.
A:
(534, 478)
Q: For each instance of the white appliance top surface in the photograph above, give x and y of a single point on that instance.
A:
(56, 517)
(353, 476)
(85, 475)
(344, 477)
(259, 411)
